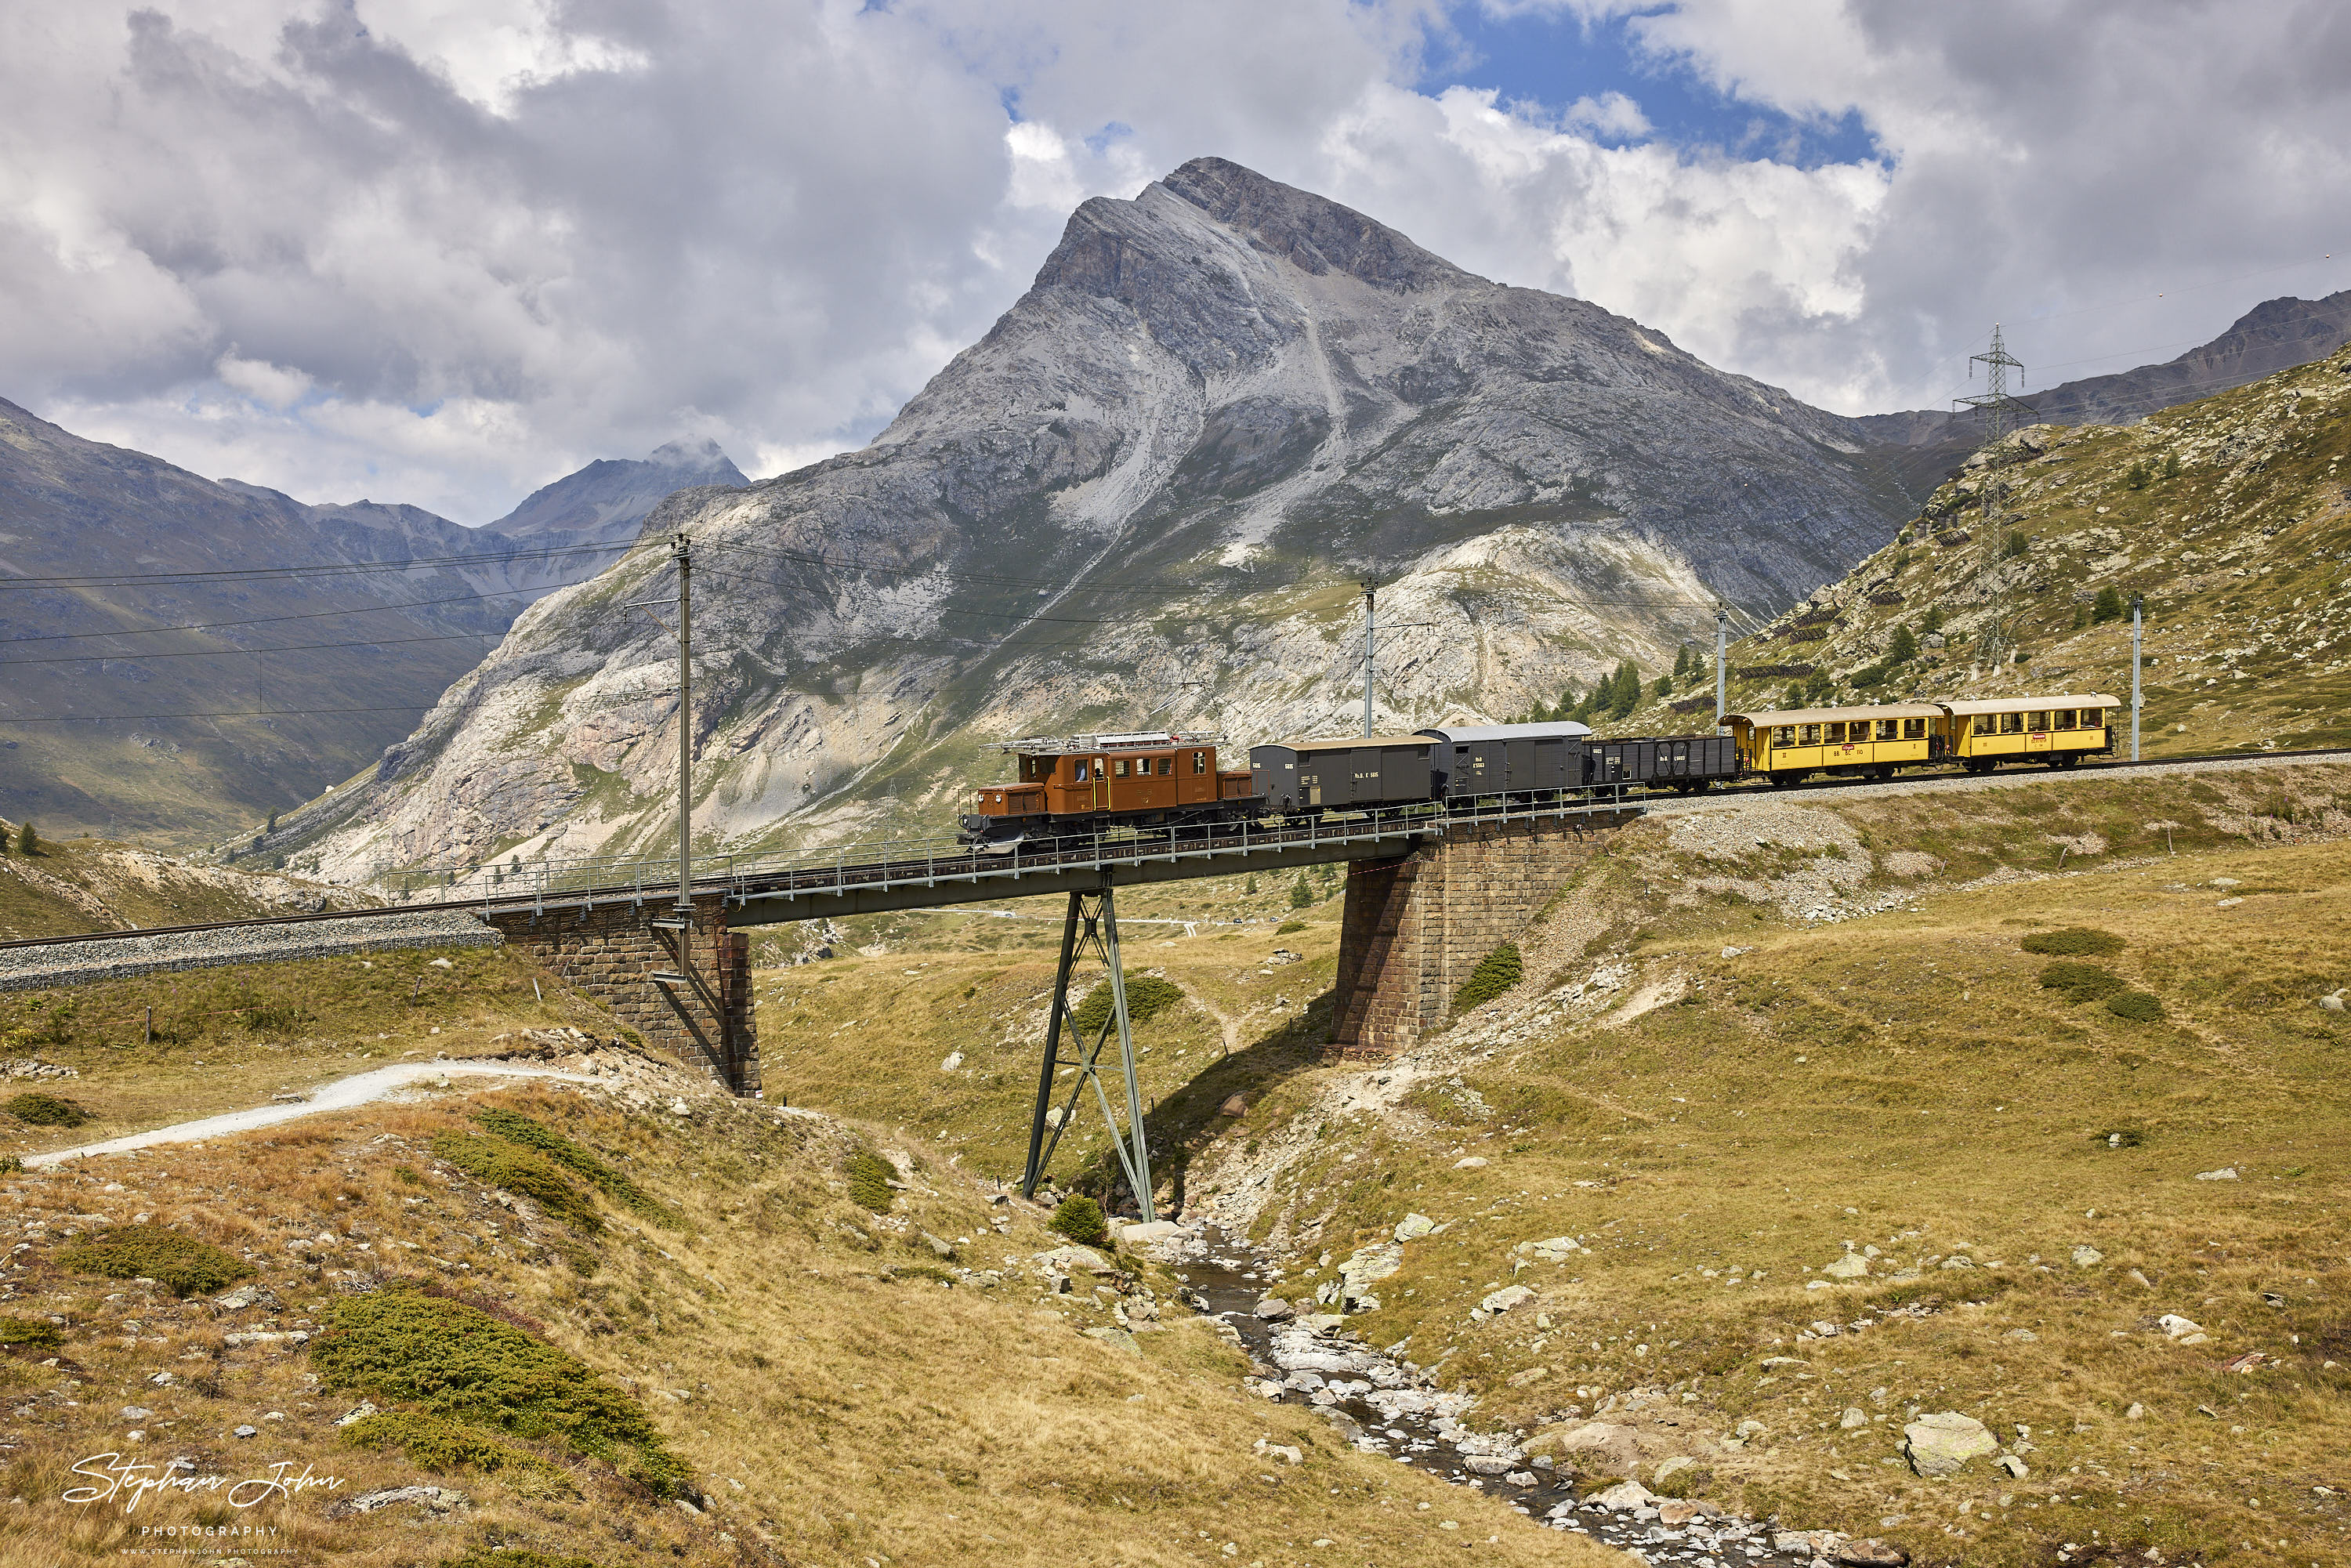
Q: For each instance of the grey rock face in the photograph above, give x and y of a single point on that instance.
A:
(1146, 494)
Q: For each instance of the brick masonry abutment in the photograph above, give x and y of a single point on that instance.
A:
(612, 952)
(1415, 928)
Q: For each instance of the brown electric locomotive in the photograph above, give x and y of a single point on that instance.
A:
(1084, 783)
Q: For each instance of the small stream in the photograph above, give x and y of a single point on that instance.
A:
(1383, 1404)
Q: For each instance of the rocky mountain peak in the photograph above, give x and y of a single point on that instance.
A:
(1313, 233)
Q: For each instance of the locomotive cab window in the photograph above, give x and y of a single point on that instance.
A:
(1033, 768)
(1200, 762)
(1082, 770)
(1914, 729)
(1118, 769)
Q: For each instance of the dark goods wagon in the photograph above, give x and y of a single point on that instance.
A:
(1342, 775)
(1508, 759)
(1684, 762)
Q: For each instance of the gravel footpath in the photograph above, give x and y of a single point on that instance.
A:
(142, 953)
(2019, 779)
(344, 1093)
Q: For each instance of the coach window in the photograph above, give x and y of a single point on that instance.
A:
(2012, 724)
(2094, 718)
(2062, 719)
(1832, 734)
(2037, 721)
(1914, 729)
(1987, 723)
(1809, 734)
(1784, 735)
(1885, 728)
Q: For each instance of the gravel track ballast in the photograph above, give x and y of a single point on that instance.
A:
(144, 953)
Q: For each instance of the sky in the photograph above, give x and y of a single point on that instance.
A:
(445, 251)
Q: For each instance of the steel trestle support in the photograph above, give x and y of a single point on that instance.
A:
(1090, 926)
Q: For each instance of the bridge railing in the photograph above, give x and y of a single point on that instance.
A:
(891, 862)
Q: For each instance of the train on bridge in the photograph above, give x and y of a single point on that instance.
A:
(1086, 783)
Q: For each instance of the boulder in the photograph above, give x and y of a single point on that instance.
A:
(1486, 1465)
(1852, 1266)
(1853, 1416)
(1671, 1467)
(1364, 1266)
(2226, 1173)
(1613, 1446)
(1144, 1235)
(2088, 1257)
(1625, 1497)
(1117, 1337)
(1274, 1309)
(1234, 1105)
(1870, 1554)
(1475, 1161)
(1506, 1298)
(2176, 1327)
(1942, 1444)
(1551, 1249)
(1074, 1258)
(1413, 1225)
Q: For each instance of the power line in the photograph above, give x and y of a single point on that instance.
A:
(321, 570)
(232, 652)
(223, 713)
(306, 615)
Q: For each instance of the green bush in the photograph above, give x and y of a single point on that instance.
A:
(2072, 942)
(462, 1365)
(29, 1333)
(868, 1181)
(1902, 647)
(2109, 606)
(2015, 546)
(1300, 895)
(2139, 1007)
(2081, 982)
(1148, 996)
(28, 842)
(1284, 929)
(1497, 972)
(39, 1109)
(436, 1443)
(520, 1171)
(157, 1252)
(516, 1128)
(10, 1164)
(1079, 1219)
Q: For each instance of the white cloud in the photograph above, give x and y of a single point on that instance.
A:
(424, 250)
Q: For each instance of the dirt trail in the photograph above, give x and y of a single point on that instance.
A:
(343, 1094)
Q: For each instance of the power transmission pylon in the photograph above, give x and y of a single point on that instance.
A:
(2000, 412)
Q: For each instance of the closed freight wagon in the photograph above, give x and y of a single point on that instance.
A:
(1507, 759)
(1342, 775)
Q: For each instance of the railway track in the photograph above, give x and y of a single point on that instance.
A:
(999, 874)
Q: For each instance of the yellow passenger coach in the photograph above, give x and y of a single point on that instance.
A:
(1876, 741)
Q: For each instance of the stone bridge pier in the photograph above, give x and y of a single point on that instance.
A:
(1415, 928)
(613, 951)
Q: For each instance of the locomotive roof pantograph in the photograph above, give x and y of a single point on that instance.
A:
(1567, 729)
(1154, 741)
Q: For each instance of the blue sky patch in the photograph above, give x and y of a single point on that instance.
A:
(1552, 60)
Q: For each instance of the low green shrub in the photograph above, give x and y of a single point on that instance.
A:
(522, 1172)
(29, 1333)
(1497, 972)
(157, 1252)
(516, 1128)
(868, 1181)
(1285, 928)
(2074, 942)
(11, 1165)
(436, 1443)
(1079, 1219)
(2139, 1007)
(36, 1109)
(460, 1363)
(1148, 996)
(2081, 982)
